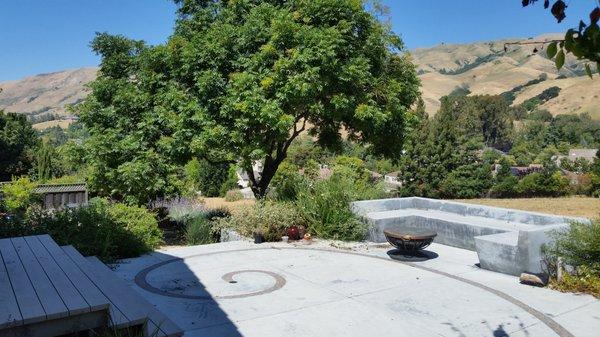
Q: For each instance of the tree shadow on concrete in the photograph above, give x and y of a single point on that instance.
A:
(177, 291)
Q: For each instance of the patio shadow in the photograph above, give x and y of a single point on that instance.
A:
(417, 256)
(178, 292)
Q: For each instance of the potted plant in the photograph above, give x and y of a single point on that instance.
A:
(258, 235)
(258, 238)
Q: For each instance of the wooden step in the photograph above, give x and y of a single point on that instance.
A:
(126, 311)
(157, 325)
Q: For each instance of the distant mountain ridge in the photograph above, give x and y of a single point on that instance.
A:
(478, 68)
(48, 95)
(486, 68)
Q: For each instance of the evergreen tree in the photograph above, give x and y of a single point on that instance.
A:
(43, 162)
(18, 141)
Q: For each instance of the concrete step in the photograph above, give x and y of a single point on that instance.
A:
(499, 252)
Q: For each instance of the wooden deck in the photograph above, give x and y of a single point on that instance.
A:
(47, 290)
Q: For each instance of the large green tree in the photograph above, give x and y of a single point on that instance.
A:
(442, 158)
(239, 81)
(18, 141)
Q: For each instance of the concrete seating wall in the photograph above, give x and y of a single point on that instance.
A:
(506, 240)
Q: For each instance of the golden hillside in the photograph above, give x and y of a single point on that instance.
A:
(46, 94)
(482, 68)
(485, 68)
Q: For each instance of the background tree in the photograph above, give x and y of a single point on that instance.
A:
(43, 162)
(18, 141)
(240, 80)
(206, 177)
(444, 155)
(595, 176)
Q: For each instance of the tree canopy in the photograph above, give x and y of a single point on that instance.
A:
(239, 81)
(18, 141)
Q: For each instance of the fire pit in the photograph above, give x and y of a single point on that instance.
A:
(409, 243)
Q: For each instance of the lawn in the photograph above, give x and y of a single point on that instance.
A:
(232, 206)
(570, 206)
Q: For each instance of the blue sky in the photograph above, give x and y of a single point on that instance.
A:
(39, 36)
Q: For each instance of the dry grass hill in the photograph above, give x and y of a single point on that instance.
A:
(482, 68)
(46, 96)
(485, 68)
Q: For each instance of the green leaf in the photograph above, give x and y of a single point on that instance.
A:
(569, 41)
(576, 50)
(551, 51)
(560, 59)
(581, 25)
(588, 70)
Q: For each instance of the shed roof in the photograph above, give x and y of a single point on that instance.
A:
(60, 188)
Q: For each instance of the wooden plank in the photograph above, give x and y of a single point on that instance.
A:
(47, 294)
(72, 299)
(157, 318)
(92, 295)
(10, 315)
(120, 297)
(151, 330)
(29, 304)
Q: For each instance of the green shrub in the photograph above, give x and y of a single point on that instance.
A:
(543, 184)
(467, 182)
(182, 209)
(234, 195)
(595, 185)
(140, 223)
(199, 231)
(109, 231)
(271, 219)
(206, 177)
(585, 280)
(287, 182)
(505, 188)
(216, 213)
(18, 195)
(11, 225)
(579, 247)
(326, 207)
(231, 182)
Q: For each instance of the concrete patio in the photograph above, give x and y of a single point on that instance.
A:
(334, 289)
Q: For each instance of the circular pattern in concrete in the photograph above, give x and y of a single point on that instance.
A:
(325, 285)
(141, 281)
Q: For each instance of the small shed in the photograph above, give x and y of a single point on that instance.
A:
(64, 195)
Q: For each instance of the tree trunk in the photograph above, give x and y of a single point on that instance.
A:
(260, 187)
(271, 163)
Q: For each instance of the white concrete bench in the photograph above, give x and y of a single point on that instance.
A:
(507, 241)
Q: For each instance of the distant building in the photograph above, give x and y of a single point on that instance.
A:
(59, 196)
(242, 175)
(574, 154)
(63, 195)
(392, 178)
(519, 171)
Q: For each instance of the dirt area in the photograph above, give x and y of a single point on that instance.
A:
(569, 206)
